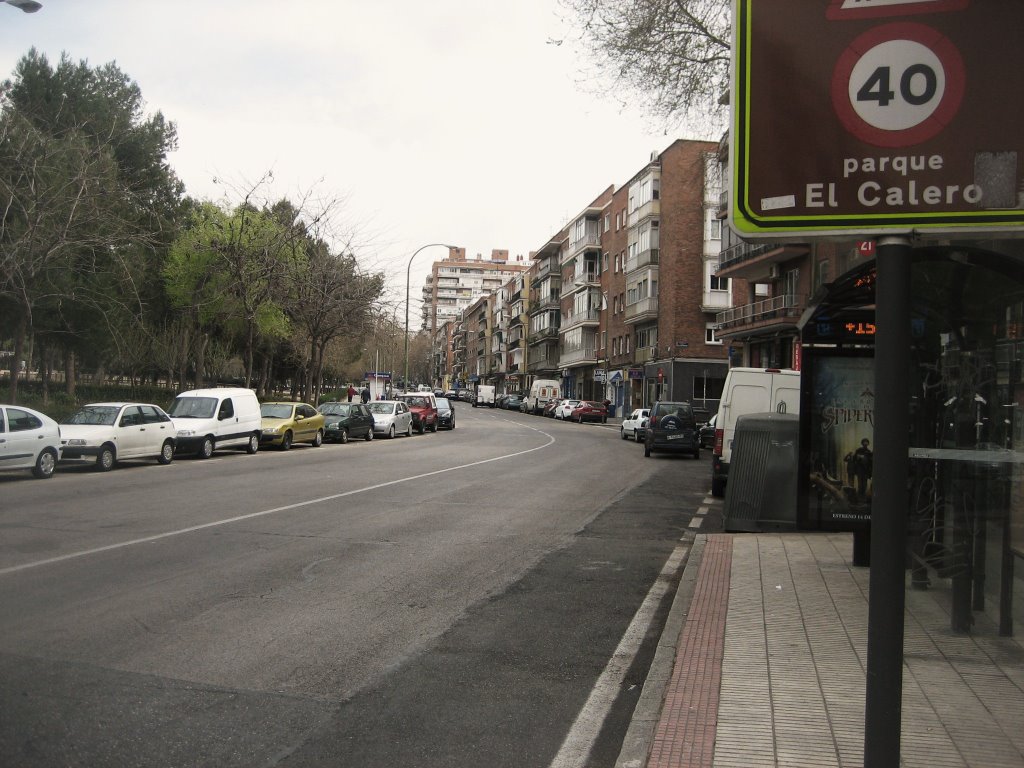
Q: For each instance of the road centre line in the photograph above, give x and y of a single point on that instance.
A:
(580, 740)
(262, 513)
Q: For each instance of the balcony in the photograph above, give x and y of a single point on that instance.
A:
(587, 317)
(544, 269)
(590, 240)
(578, 357)
(643, 355)
(647, 258)
(645, 211)
(545, 304)
(778, 311)
(715, 301)
(645, 309)
(547, 362)
(755, 262)
(723, 205)
(542, 335)
(516, 320)
(588, 278)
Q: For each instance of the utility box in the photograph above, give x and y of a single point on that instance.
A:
(761, 494)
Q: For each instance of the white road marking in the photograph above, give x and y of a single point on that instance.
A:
(262, 513)
(584, 732)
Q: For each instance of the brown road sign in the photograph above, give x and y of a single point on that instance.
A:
(877, 116)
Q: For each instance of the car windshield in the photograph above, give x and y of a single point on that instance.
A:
(416, 402)
(336, 409)
(276, 411)
(104, 415)
(381, 407)
(443, 404)
(193, 407)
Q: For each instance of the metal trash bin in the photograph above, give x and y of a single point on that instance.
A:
(761, 494)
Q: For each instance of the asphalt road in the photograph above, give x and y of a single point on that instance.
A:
(448, 599)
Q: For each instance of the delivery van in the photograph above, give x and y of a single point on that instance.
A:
(484, 396)
(542, 391)
(746, 391)
(208, 419)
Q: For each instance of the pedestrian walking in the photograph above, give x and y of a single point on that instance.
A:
(365, 395)
(351, 392)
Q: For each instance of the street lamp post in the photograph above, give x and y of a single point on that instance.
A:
(408, 273)
(28, 6)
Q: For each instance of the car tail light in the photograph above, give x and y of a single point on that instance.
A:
(719, 442)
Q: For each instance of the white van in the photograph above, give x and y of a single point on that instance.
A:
(749, 390)
(207, 419)
(484, 396)
(542, 391)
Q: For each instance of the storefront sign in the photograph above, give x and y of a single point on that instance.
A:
(877, 117)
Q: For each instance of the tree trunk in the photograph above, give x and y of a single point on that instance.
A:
(69, 372)
(19, 350)
(201, 344)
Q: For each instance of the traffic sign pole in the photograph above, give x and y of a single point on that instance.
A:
(886, 597)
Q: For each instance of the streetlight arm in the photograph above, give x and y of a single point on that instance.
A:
(28, 6)
(408, 274)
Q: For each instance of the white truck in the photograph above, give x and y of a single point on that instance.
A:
(484, 396)
(746, 391)
(542, 391)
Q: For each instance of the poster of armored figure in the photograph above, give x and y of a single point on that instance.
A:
(841, 434)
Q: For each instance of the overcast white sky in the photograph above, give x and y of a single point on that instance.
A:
(450, 121)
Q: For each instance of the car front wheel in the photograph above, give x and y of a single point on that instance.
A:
(369, 434)
(46, 463)
(391, 431)
(253, 445)
(106, 459)
(343, 436)
(286, 441)
(166, 452)
(408, 432)
(206, 449)
(318, 440)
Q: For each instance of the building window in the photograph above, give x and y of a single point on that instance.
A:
(607, 221)
(719, 283)
(616, 263)
(709, 335)
(617, 222)
(604, 261)
(716, 229)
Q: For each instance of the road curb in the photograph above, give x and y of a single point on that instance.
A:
(636, 745)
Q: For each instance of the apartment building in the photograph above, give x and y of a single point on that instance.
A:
(775, 282)
(620, 304)
(456, 282)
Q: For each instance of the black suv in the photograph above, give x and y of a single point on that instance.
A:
(672, 427)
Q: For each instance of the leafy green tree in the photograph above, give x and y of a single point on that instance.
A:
(226, 271)
(87, 203)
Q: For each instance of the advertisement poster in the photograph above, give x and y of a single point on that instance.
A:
(841, 449)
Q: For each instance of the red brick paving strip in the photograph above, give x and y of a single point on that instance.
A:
(685, 736)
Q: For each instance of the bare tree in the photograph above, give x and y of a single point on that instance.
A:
(672, 54)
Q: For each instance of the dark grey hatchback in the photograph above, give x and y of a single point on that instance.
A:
(672, 427)
(346, 420)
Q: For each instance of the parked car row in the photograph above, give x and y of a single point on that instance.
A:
(200, 422)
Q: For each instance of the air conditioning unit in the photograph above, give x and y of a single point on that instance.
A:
(774, 271)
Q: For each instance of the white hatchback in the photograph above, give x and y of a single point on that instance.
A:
(28, 440)
(110, 432)
(565, 407)
(632, 425)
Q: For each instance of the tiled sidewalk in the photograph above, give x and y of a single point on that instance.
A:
(781, 682)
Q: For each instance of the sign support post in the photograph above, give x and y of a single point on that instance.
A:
(886, 598)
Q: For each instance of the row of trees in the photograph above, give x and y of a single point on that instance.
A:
(107, 266)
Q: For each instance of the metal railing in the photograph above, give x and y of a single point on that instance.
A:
(786, 305)
(642, 307)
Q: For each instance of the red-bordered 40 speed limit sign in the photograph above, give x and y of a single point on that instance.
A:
(898, 84)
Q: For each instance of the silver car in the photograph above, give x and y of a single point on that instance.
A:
(390, 417)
